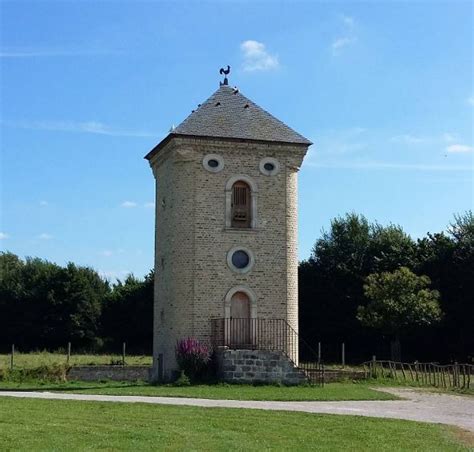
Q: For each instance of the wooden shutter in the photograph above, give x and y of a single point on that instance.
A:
(240, 205)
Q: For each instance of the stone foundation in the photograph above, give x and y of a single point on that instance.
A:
(116, 373)
(257, 366)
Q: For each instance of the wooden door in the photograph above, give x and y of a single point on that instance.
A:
(240, 320)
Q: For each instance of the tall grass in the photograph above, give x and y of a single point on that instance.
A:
(44, 358)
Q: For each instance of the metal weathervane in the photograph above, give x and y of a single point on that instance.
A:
(224, 72)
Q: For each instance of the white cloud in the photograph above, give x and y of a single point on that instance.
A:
(93, 127)
(4, 236)
(374, 165)
(114, 274)
(448, 137)
(347, 37)
(256, 57)
(149, 205)
(35, 52)
(108, 253)
(128, 204)
(45, 236)
(408, 139)
(339, 43)
(459, 148)
(348, 20)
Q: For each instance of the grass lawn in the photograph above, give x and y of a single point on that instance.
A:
(331, 391)
(76, 425)
(37, 359)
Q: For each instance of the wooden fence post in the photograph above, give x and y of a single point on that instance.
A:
(12, 357)
(123, 354)
(319, 352)
(343, 355)
(374, 364)
(68, 352)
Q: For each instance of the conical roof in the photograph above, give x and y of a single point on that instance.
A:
(229, 114)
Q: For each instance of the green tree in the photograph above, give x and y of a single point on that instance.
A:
(398, 302)
(44, 305)
(448, 259)
(331, 280)
(128, 314)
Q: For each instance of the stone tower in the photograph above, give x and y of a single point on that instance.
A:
(226, 223)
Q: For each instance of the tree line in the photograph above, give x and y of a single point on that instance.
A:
(44, 306)
(367, 285)
(370, 286)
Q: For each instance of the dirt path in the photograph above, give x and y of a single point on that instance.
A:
(419, 405)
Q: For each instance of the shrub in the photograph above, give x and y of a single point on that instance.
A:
(192, 357)
(53, 373)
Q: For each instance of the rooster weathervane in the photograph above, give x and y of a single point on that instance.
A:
(224, 72)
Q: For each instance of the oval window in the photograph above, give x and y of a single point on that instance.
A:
(213, 163)
(269, 166)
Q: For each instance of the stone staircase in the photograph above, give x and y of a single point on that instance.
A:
(258, 366)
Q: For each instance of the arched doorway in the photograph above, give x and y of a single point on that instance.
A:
(240, 327)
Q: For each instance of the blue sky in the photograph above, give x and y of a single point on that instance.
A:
(383, 89)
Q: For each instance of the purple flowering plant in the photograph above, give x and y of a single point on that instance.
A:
(192, 357)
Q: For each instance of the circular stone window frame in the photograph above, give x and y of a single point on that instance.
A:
(208, 157)
(235, 269)
(274, 162)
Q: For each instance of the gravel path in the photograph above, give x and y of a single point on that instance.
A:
(419, 405)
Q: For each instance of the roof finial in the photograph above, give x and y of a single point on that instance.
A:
(225, 72)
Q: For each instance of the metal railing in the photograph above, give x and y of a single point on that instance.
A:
(268, 334)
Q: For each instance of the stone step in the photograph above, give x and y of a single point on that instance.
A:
(258, 366)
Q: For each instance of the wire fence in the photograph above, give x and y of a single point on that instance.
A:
(19, 359)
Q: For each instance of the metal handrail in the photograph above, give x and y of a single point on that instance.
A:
(268, 334)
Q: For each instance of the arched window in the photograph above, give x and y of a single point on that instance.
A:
(241, 202)
(241, 205)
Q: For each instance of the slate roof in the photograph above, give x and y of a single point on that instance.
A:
(229, 114)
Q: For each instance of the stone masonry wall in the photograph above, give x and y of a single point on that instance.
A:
(174, 254)
(257, 366)
(192, 241)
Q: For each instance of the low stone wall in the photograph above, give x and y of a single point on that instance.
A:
(257, 366)
(341, 375)
(116, 373)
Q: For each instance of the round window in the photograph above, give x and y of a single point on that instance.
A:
(213, 163)
(269, 166)
(240, 259)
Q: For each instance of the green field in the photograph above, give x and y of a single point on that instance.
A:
(28, 424)
(37, 359)
(331, 391)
